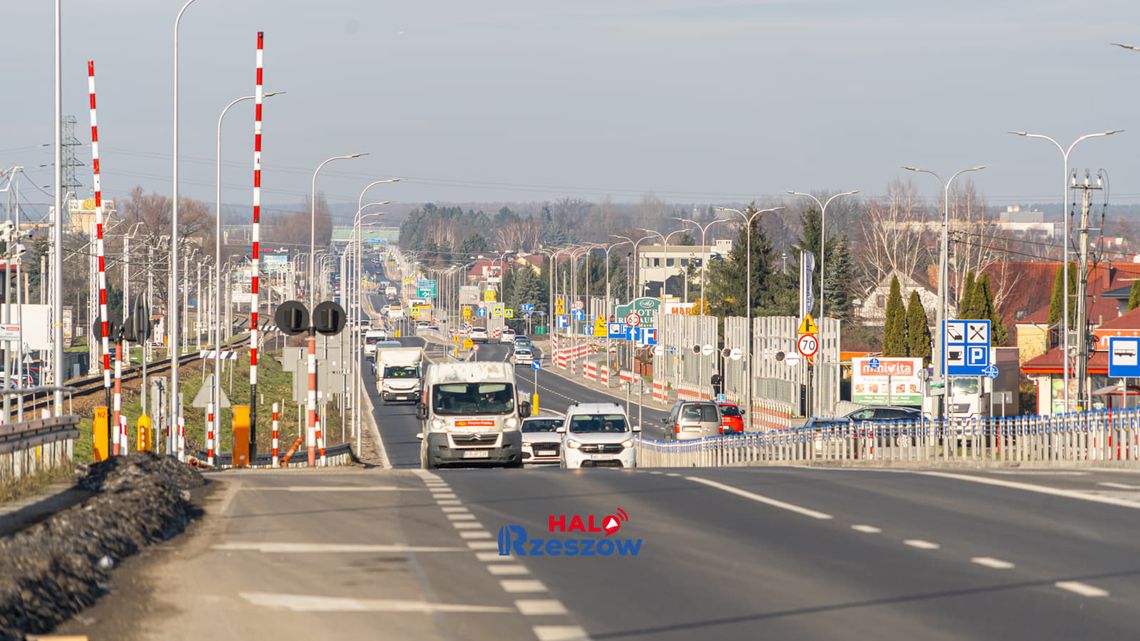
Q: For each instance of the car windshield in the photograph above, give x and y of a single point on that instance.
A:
(729, 410)
(701, 412)
(541, 425)
(963, 386)
(473, 398)
(401, 371)
(598, 424)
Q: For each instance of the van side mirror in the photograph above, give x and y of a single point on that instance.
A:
(524, 409)
(636, 428)
(561, 429)
(420, 435)
(664, 421)
(421, 411)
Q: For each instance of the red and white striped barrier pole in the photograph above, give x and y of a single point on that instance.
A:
(210, 434)
(97, 186)
(321, 442)
(255, 270)
(276, 461)
(125, 444)
(181, 441)
(311, 399)
(119, 396)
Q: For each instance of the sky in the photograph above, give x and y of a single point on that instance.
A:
(523, 100)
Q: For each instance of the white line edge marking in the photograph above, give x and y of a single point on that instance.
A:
(922, 545)
(1083, 589)
(504, 569)
(866, 529)
(991, 562)
(522, 585)
(761, 499)
(1119, 486)
(540, 607)
(270, 547)
(560, 633)
(1040, 489)
(318, 603)
(335, 488)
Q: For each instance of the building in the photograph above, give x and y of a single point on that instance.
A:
(657, 264)
(82, 214)
(872, 307)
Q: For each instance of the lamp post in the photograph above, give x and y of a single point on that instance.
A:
(311, 397)
(172, 305)
(748, 281)
(943, 272)
(822, 234)
(635, 283)
(664, 243)
(704, 259)
(353, 302)
(1065, 240)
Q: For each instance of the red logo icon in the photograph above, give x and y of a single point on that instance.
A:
(612, 523)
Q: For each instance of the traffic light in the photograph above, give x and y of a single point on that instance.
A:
(291, 318)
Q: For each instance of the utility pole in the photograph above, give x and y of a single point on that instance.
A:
(1084, 393)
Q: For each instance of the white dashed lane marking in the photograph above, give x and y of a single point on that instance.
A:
(453, 510)
(507, 570)
(760, 499)
(461, 517)
(481, 534)
(866, 529)
(319, 603)
(540, 607)
(991, 562)
(922, 545)
(515, 586)
(483, 545)
(1119, 486)
(1082, 589)
(560, 633)
(467, 525)
(493, 557)
(451, 502)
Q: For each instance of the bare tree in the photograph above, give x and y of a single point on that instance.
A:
(894, 236)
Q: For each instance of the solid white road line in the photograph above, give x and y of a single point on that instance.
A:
(461, 517)
(335, 488)
(866, 529)
(317, 603)
(467, 525)
(560, 633)
(480, 534)
(1083, 589)
(1119, 486)
(1040, 489)
(1037, 473)
(447, 502)
(483, 545)
(522, 585)
(454, 510)
(504, 569)
(991, 562)
(922, 545)
(540, 607)
(760, 499)
(322, 548)
(672, 474)
(493, 557)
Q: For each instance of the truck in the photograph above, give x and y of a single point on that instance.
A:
(395, 312)
(470, 413)
(398, 373)
(390, 292)
(979, 396)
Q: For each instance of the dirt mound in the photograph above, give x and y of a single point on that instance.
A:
(58, 567)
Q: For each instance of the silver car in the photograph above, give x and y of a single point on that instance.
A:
(541, 441)
(692, 419)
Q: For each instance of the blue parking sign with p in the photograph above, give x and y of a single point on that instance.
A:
(966, 347)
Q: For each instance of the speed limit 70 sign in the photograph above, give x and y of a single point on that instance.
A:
(807, 344)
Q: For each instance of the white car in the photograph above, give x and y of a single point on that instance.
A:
(540, 439)
(522, 356)
(597, 435)
(507, 335)
(478, 335)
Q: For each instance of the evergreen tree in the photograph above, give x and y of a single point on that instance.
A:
(998, 333)
(474, 244)
(839, 278)
(917, 328)
(894, 328)
(727, 286)
(1134, 295)
(1056, 301)
(966, 298)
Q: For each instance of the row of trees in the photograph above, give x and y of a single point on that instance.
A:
(906, 331)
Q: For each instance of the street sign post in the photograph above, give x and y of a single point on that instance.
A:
(967, 344)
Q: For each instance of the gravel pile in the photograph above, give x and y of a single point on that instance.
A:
(58, 567)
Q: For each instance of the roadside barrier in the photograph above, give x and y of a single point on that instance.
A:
(1099, 437)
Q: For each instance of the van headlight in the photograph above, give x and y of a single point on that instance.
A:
(512, 423)
(438, 424)
(572, 444)
(628, 443)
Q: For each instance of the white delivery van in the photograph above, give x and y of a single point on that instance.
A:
(469, 414)
(398, 372)
(371, 337)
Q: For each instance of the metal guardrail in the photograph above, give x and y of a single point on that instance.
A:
(1079, 438)
(31, 446)
(336, 455)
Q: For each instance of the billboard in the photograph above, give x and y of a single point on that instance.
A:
(886, 381)
(274, 263)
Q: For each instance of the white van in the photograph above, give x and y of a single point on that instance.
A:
(371, 337)
(398, 373)
(469, 414)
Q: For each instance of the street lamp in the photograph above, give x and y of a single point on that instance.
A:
(311, 397)
(822, 235)
(943, 268)
(1065, 240)
(172, 307)
(704, 259)
(748, 280)
(354, 310)
(664, 243)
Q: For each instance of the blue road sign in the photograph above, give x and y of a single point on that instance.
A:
(647, 335)
(966, 345)
(579, 314)
(527, 307)
(482, 311)
(873, 363)
(563, 321)
(991, 371)
(616, 330)
(535, 365)
(1123, 361)
(721, 398)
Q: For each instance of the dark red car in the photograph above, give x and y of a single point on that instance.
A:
(731, 418)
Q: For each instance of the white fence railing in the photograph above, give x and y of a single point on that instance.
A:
(1100, 436)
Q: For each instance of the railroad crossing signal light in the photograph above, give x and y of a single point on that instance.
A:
(328, 318)
(291, 318)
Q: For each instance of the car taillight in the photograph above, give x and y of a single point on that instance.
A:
(676, 428)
